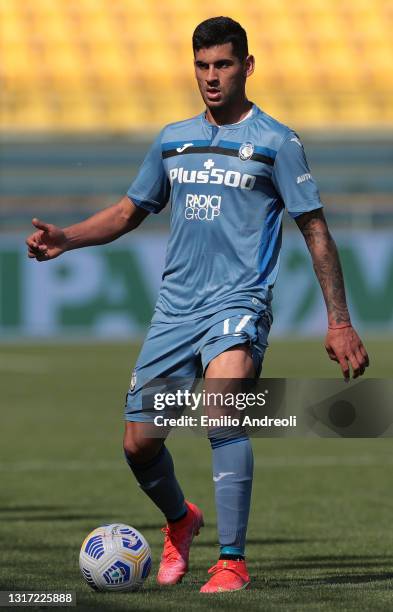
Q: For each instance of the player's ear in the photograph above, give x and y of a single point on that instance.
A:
(249, 65)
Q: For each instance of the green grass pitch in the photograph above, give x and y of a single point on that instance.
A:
(320, 534)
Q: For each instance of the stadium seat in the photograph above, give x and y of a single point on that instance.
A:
(69, 64)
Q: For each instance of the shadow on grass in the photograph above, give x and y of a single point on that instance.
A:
(333, 565)
(37, 514)
(346, 579)
(262, 541)
(326, 561)
(45, 508)
(31, 518)
(355, 578)
(33, 548)
(330, 558)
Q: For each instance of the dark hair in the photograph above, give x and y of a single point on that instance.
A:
(219, 31)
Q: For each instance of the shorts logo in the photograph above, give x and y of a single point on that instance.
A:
(202, 207)
(246, 150)
(133, 381)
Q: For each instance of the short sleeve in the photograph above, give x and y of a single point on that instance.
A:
(292, 178)
(151, 188)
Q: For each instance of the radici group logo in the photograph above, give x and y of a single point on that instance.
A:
(202, 207)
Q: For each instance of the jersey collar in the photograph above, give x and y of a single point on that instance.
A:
(232, 126)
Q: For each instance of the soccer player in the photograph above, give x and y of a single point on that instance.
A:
(228, 174)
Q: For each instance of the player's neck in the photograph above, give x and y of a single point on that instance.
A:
(226, 116)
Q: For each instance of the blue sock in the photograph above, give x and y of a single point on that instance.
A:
(157, 479)
(232, 474)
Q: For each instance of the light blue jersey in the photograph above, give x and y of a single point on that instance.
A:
(227, 187)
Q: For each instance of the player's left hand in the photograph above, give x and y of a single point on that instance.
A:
(345, 347)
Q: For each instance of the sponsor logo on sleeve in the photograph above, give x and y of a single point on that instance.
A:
(303, 178)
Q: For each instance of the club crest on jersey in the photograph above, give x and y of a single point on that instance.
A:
(246, 150)
(133, 380)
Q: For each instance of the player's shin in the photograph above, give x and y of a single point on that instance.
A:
(232, 474)
(157, 479)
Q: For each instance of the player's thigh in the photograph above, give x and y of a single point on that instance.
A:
(234, 362)
(231, 354)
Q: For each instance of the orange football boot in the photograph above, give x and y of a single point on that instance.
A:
(177, 543)
(228, 575)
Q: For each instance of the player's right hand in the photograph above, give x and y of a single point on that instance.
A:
(344, 346)
(48, 242)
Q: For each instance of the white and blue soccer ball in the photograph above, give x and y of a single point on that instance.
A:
(115, 557)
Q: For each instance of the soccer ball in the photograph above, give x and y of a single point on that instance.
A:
(115, 557)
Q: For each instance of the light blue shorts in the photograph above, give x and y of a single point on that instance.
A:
(184, 350)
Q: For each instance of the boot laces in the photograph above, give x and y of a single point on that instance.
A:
(225, 566)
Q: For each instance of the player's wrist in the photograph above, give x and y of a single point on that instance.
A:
(70, 241)
(344, 325)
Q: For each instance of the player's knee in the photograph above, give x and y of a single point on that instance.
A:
(134, 451)
(139, 449)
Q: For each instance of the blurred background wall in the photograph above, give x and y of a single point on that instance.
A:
(86, 85)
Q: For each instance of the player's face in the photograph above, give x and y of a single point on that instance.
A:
(221, 75)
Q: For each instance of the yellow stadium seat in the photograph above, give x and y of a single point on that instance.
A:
(85, 64)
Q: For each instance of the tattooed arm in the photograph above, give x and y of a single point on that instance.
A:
(342, 342)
